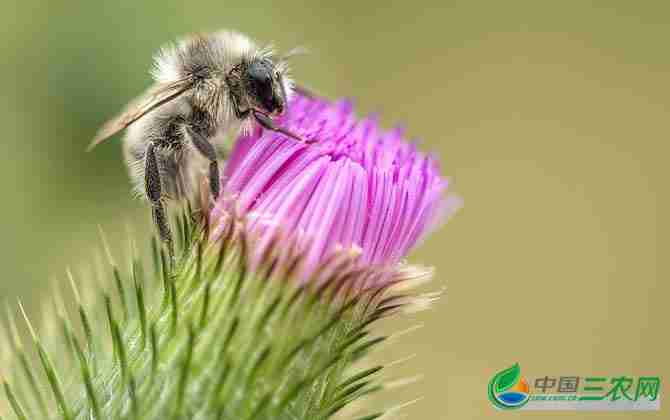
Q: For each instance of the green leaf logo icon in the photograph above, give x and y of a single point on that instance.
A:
(507, 378)
(508, 390)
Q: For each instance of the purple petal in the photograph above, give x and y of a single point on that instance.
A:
(350, 186)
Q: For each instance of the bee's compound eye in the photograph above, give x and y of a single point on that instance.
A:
(260, 74)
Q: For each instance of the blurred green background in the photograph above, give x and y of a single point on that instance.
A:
(551, 117)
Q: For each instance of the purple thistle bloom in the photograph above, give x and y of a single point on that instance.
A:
(350, 185)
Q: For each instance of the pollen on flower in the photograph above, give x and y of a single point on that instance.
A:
(349, 186)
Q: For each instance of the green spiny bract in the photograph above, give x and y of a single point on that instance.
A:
(208, 336)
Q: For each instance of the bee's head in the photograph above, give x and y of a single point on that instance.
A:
(265, 86)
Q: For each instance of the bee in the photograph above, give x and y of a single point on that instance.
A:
(205, 87)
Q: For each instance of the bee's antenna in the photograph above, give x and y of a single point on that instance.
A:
(293, 52)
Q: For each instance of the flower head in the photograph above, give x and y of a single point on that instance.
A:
(350, 185)
(229, 328)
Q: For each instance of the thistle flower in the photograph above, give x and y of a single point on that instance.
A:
(267, 311)
(350, 185)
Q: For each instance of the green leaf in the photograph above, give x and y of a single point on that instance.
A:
(507, 378)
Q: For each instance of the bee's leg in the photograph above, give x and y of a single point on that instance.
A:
(207, 150)
(284, 96)
(152, 183)
(268, 124)
(236, 108)
(160, 219)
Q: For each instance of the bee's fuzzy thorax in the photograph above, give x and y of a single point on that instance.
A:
(210, 64)
(219, 50)
(211, 57)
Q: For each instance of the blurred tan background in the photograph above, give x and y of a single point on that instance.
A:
(551, 117)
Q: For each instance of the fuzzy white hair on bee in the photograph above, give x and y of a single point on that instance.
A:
(219, 50)
(208, 87)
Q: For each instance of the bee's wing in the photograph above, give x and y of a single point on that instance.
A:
(157, 95)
